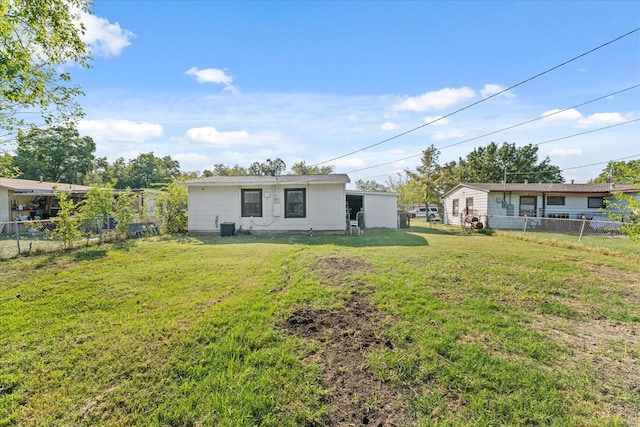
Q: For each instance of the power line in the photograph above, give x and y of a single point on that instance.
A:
(511, 127)
(540, 172)
(483, 99)
(586, 132)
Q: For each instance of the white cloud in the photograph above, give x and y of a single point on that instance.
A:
(210, 136)
(557, 116)
(193, 161)
(213, 75)
(440, 136)
(492, 89)
(440, 121)
(104, 38)
(565, 152)
(388, 126)
(437, 100)
(120, 130)
(348, 163)
(602, 119)
(594, 120)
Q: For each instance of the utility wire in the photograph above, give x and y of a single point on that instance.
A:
(512, 127)
(586, 132)
(483, 99)
(536, 173)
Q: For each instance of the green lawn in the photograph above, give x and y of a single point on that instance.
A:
(424, 326)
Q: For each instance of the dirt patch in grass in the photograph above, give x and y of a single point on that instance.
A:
(347, 336)
(608, 349)
(332, 270)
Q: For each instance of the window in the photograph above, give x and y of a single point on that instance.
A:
(528, 205)
(596, 202)
(555, 200)
(295, 203)
(251, 203)
(456, 207)
(469, 207)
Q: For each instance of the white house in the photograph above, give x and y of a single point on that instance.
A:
(499, 200)
(283, 203)
(22, 199)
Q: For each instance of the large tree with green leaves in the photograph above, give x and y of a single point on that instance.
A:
(426, 178)
(224, 170)
(624, 207)
(620, 172)
(7, 168)
(37, 37)
(148, 171)
(519, 164)
(58, 154)
(301, 168)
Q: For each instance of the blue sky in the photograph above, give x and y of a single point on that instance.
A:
(210, 82)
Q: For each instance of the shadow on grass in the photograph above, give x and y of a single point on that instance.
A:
(90, 254)
(414, 236)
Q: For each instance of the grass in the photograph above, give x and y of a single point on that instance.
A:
(472, 330)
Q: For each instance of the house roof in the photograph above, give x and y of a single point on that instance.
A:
(28, 186)
(548, 188)
(268, 180)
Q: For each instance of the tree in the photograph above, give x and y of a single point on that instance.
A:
(58, 154)
(7, 168)
(426, 177)
(268, 167)
(147, 171)
(66, 225)
(171, 206)
(124, 212)
(96, 207)
(362, 185)
(301, 168)
(489, 164)
(224, 170)
(620, 173)
(36, 38)
(624, 207)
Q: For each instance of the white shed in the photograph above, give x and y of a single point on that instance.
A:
(380, 208)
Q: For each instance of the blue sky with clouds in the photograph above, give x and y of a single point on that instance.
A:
(209, 82)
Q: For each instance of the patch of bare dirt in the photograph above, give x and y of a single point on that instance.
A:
(332, 270)
(348, 335)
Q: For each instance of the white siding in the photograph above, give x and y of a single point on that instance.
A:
(325, 204)
(479, 204)
(5, 205)
(381, 210)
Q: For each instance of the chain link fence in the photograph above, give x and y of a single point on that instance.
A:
(599, 232)
(38, 236)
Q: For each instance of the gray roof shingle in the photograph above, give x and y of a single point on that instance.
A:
(268, 180)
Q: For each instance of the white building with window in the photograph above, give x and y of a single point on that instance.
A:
(255, 204)
(495, 202)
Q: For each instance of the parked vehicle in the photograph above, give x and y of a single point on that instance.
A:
(432, 212)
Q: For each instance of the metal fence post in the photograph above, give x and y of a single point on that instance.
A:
(584, 222)
(524, 230)
(17, 228)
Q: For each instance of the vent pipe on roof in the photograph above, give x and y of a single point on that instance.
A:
(572, 182)
(40, 179)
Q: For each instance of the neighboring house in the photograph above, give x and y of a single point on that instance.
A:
(493, 201)
(22, 199)
(284, 203)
